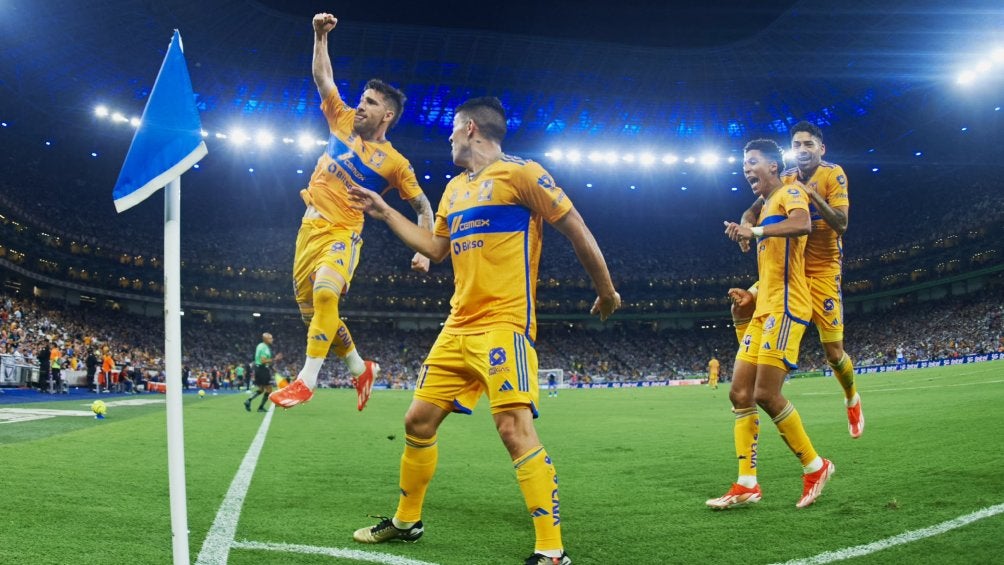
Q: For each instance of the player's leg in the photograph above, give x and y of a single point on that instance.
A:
(828, 316)
(440, 388)
(745, 434)
(507, 361)
(773, 365)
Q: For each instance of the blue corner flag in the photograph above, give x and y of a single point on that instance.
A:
(169, 139)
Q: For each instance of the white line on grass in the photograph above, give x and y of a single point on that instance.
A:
(216, 547)
(908, 537)
(897, 389)
(353, 554)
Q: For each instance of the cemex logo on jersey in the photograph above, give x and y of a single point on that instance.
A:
(460, 225)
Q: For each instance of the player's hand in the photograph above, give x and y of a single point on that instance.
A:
(605, 306)
(737, 232)
(278, 357)
(743, 303)
(323, 23)
(369, 202)
(420, 263)
(744, 244)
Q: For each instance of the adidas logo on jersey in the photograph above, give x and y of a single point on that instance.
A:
(506, 386)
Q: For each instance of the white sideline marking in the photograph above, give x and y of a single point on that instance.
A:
(216, 547)
(908, 537)
(14, 415)
(897, 389)
(354, 554)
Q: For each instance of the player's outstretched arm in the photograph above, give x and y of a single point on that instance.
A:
(573, 227)
(417, 238)
(321, 66)
(748, 219)
(425, 219)
(797, 223)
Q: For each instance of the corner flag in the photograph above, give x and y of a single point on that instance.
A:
(169, 139)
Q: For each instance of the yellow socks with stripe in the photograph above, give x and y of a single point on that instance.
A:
(843, 370)
(539, 482)
(418, 464)
(789, 423)
(747, 434)
(326, 326)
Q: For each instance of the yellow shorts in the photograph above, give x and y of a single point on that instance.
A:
(320, 244)
(461, 368)
(772, 339)
(827, 307)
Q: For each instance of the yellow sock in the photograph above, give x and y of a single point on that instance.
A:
(789, 423)
(747, 434)
(326, 327)
(418, 464)
(539, 482)
(843, 370)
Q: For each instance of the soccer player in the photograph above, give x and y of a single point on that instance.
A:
(552, 386)
(489, 222)
(263, 361)
(826, 186)
(713, 366)
(769, 348)
(328, 243)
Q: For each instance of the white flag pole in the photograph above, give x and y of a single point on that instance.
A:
(172, 358)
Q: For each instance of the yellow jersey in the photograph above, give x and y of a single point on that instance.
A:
(713, 367)
(494, 220)
(349, 159)
(781, 260)
(824, 250)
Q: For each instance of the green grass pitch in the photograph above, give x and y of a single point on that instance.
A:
(635, 466)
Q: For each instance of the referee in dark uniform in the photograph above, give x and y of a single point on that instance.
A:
(263, 360)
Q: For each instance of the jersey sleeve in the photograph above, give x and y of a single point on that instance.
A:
(405, 181)
(338, 114)
(538, 192)
(836, 188)
(442, 228)
(794, 198)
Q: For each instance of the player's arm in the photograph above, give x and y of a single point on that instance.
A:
(835, 216)
(749, 218)
(796, 224)
(424, 218)
(418, 238)
(573, 227)
(321, 65)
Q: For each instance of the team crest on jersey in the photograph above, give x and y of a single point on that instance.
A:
(545, 181)
(835, 322)
(828, 305)
(496, 357)
(769, 324)
(842, 180)
(486, 190)
(338, 247)
(453, 198)
(747, 340)
(378, 158)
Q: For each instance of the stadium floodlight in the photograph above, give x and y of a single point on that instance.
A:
(669, 158)
(628, 157)
(732, 158)
(998, 55)
(788, 155)
(983, 66)
(221, 135)
(557, 154)
(709, 159)
(646, 159)
(204, 133)
(134, 122)
(574, 156)
(595, 156)
(690, 160)
(264, 138)
(117, 117)
(288, 140)
(321, 142)
(238, 137)
(101, 111)
(966, 77)
(305, 141)
(610, 157)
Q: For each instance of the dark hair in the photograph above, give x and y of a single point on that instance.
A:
(770, 149)
(809, 128)
(392, 96)
(488, 113)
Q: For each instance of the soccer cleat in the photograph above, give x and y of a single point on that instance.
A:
(290, 396)
(262, 409)
(247, 405)
(364, 384)
(813, 483)
(540, 559)
(738, 495)
(855, 419)
(385, 530)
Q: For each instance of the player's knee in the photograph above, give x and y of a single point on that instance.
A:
(768, 399)
(740, 398)
(418, 425)
(325, 297)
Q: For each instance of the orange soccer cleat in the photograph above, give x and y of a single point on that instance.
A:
(813, 483)
(290, 396)
(364, 384)
(855, 419)
(738, 495)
